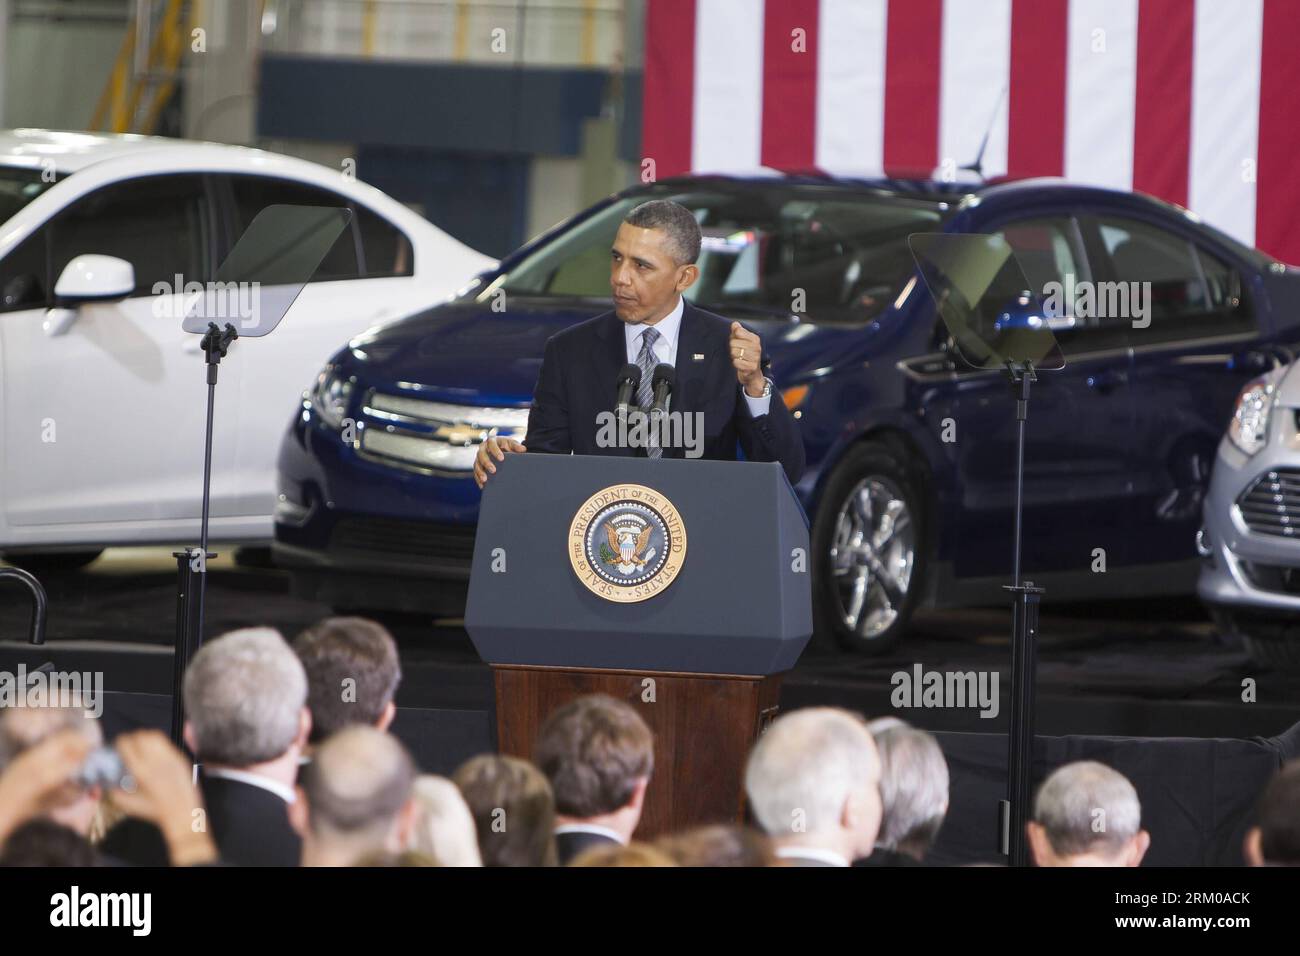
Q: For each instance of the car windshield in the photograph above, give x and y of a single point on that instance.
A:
(18, 187)
(825, 252)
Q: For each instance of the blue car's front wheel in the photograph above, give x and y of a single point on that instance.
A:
(869, 537)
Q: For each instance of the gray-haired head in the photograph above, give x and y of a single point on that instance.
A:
(1086, 807)
(913, 786)
(676, 221)
(357, 782)
(244, 697)
(804, 768)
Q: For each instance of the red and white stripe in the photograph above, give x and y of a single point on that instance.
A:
(1189, 100)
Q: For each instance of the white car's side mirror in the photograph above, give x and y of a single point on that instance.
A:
(88, 279)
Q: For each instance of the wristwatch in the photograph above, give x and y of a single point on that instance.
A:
(767, 389)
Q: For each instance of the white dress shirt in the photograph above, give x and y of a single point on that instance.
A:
(829, 857)
(589, 828)
(665, 348)
(243, 776)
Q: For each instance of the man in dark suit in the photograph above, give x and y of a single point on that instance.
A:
(598, 754)
(249, 824)
(719, 364)
(247, 722)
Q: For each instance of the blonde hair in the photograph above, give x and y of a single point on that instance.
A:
(634, 854)
(444, 827)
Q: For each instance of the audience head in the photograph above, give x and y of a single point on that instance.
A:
(615, 854)
(513, 810)
(245, 700)
(46, 843)
(403, 859)
(1087, 814)
(444, 827)
(913, 787)
(352, 674)
(719, 845)
(598, 755)
(1274, 840)
(813, 781)
(23, 727)
(354, 798)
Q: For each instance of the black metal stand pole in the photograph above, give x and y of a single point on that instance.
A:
(1014, 810)
(192, 563)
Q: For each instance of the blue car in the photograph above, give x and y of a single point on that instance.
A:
(911, 453)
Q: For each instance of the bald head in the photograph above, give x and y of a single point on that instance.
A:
(358, 782)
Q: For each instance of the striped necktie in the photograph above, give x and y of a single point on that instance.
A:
(645, 393)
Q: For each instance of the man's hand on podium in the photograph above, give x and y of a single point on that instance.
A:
(495, 447)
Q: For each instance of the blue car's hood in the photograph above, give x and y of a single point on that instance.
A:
(464, 352)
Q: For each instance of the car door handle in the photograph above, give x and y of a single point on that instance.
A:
(1105, 381)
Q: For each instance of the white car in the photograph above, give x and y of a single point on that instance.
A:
(102, 395)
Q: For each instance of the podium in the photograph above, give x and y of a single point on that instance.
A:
(679, 586)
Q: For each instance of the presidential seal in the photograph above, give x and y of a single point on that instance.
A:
(627, 543)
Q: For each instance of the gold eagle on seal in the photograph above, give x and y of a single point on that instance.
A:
(629, 547)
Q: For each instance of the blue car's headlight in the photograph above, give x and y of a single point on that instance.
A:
(330, 396)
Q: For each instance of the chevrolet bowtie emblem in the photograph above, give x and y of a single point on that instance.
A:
(697, 357)
(459, 434)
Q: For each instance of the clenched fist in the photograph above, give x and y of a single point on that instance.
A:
(746, 356)
(495, 447)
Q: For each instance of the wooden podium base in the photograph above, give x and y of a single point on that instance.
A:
(704, 726)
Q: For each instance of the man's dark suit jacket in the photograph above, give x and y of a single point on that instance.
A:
(569, 845)
(579, 380)
(882, 857)
(249, 825)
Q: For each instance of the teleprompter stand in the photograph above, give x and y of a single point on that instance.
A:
(275, 257)
(994, 321)
(192, 563)
(1013, 812)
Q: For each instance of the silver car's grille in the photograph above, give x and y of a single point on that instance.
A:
(430, 437)
(1272, 504)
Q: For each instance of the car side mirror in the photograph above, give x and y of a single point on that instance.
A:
(91, 278)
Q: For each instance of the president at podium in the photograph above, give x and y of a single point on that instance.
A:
(656, 376)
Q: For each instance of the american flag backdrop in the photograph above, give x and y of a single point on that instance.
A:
(1195, 101)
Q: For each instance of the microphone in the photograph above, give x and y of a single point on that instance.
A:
(665, 377)
(629, 380)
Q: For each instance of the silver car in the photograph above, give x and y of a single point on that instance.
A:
(1250, 539)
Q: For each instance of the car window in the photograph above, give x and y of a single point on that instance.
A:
(159, 224)
(836, 257)
(19, 186)
(385, 249)
(1229, 303)
(1050, 252)
(24, 275)
(1190, 293)
(372, 248)
(252, 194)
